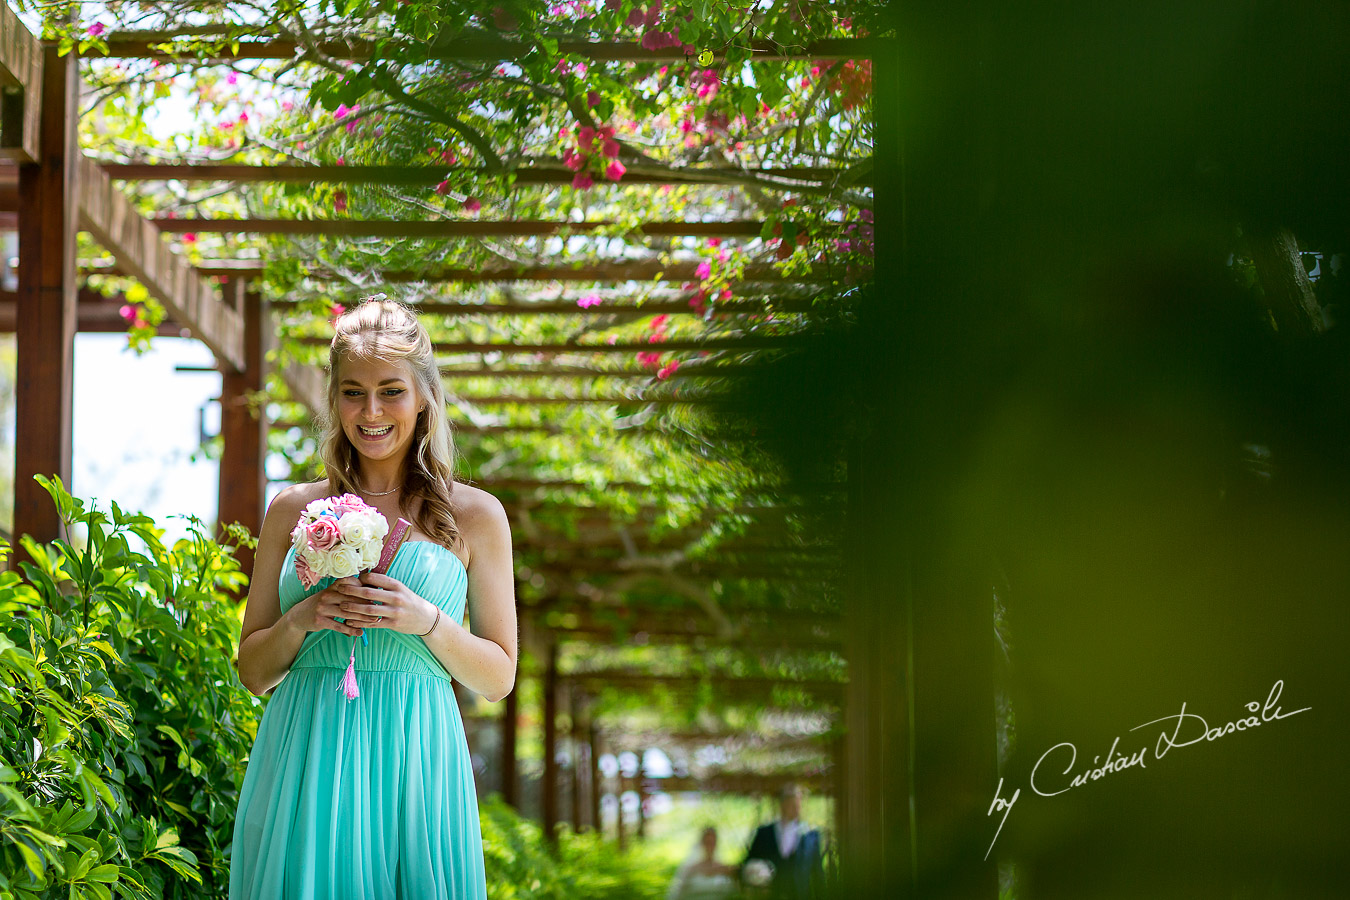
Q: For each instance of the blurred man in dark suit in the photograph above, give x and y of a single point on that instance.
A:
(793, 849)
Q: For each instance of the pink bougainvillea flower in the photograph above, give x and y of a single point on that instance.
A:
(610, 148)
(582, 181)
(443, 188)
(686, 125)
(574, 161)
(653, 12)
(138, 323)
(635, 18)
(472, 204)
(613, 5)
(337, 309)
(723, 256)
(563, 68)
(581, 70)
(589, 300)
(585, 137)
(659, 322)
(287, 105)
(341, 111)
(668, 369)
(592, 98)
(96, 29)
(605, 131)
(704, 270)
(190, 238)
(340, 201)
(126, 312)
(231, 78)
(243, 118)
(614, 171)
(726, 294)
(611, 339)
(714, 242)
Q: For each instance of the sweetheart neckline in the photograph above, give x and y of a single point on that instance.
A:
(443, 549)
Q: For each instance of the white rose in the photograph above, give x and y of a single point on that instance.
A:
(379, 525)
(346, 560)
(371, 557)
(318, 507)
(298, 538)
(354, 528)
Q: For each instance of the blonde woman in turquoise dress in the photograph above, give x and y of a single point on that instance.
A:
(372, 798)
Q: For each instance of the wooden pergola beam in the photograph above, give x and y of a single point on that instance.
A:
(571, 308)
(643, 270)
(426, 174)
(749, 685)
(480, 47)
(141, 252)
(733, 344)
(750, 783)
(20, 89)
(396, 228)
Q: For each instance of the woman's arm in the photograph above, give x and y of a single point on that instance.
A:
(269, 641)
(483, 656)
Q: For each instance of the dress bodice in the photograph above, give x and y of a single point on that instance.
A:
(428, 569)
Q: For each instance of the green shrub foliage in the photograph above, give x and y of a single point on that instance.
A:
(125, 726)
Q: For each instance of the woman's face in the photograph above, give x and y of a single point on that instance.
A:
(382, 396)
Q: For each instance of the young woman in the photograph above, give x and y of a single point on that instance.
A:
(373, 797)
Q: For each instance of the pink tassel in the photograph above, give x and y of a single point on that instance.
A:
(348, 685)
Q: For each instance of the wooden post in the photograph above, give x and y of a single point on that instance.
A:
(46, 305)
(622, 832)
(243, 480)
(577, 748)
(510, 775)
(642, 795)
(550, 785)
(593, 754)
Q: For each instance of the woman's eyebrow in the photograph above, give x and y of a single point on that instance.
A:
(386, 381)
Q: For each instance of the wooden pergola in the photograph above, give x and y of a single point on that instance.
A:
(55, 192)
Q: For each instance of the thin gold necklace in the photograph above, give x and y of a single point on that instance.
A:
(380, 493)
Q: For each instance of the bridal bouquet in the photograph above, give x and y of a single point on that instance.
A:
(337, 537)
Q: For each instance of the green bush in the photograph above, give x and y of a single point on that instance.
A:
(520, 867)
(123, 725)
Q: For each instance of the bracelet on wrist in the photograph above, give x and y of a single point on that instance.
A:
(433, 624)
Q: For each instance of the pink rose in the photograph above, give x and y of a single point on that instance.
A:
(348, 503)
(308, 577)
(323, 533)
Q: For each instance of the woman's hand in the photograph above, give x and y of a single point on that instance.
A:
(378, 601)
(318, 611)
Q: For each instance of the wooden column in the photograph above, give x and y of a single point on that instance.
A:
(593, 756)
(621, 832)
(46, 305)
(510, 771)
(550, 784)
(577, 748)
(642, 795)
(243, 480)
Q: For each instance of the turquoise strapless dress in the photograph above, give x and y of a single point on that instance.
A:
(371, 798)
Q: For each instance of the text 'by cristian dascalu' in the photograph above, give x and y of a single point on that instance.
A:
(1189, 729)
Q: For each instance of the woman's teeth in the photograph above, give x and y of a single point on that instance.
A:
(375, 432)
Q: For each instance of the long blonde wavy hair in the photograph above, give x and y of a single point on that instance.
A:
(379, 328)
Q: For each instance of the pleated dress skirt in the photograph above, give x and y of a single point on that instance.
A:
(371, 798)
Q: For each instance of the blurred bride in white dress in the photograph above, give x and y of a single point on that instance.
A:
(701, 876)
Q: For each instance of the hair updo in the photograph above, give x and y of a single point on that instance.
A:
(383, 329)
